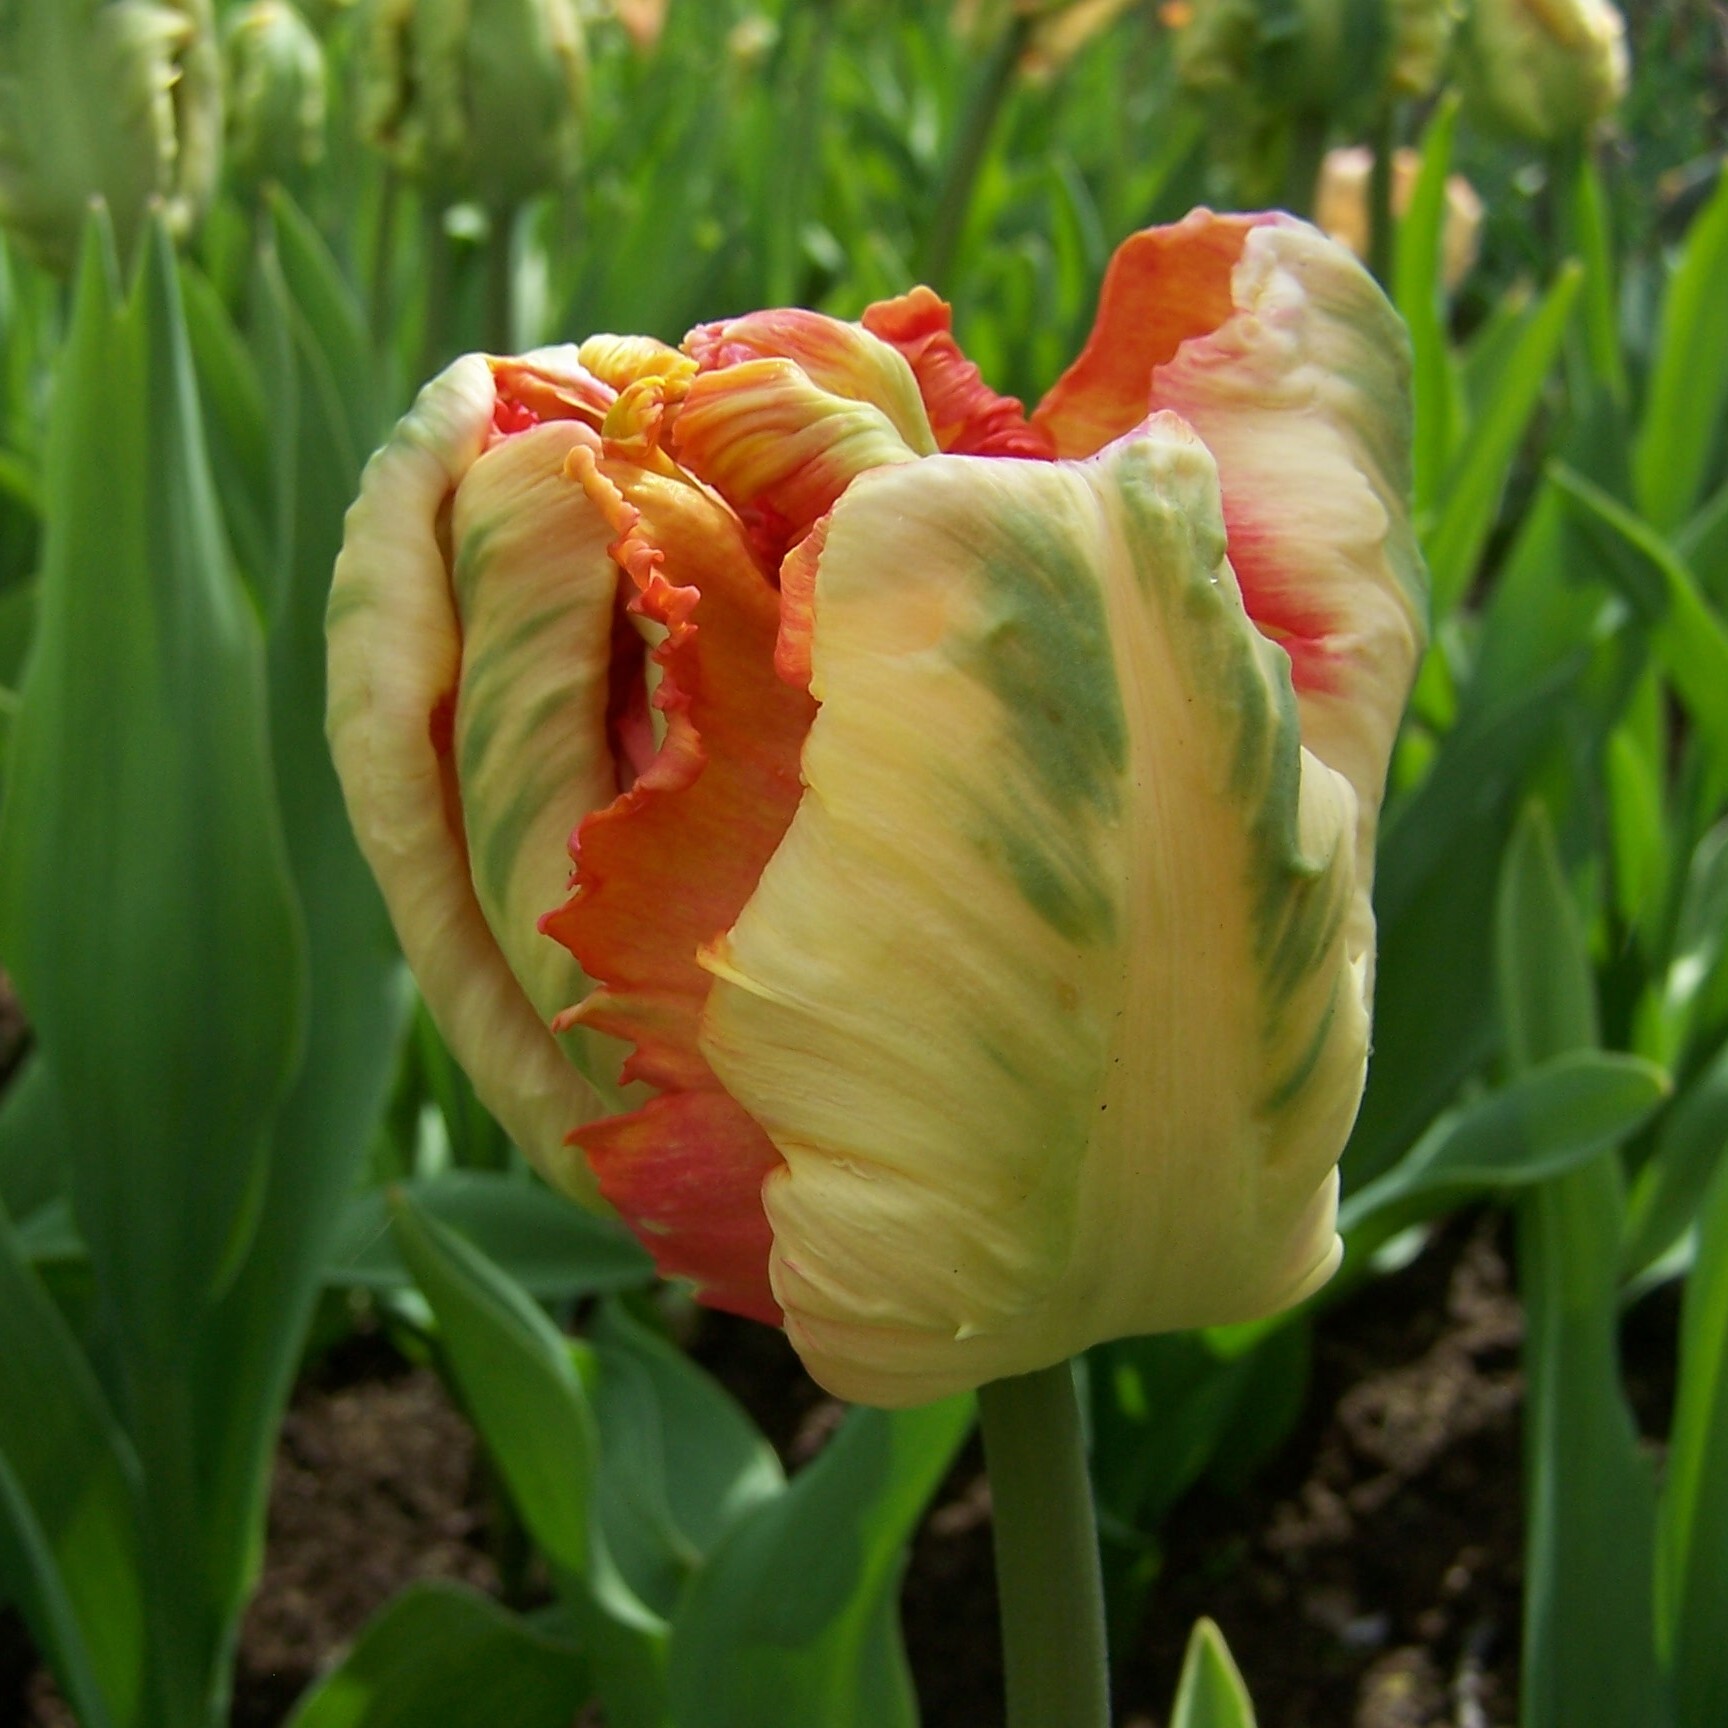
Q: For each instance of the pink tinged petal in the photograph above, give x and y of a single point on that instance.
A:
(1303, 397)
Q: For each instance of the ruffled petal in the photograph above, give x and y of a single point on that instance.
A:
(1048, 998)
(1164, 287)
(395, 671)
(665, 868)
(968, 417)
(781, 435)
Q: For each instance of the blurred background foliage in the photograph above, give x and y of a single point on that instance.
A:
(230, 1135)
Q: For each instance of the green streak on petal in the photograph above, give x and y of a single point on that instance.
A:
(1284, 1091)
(503, 832)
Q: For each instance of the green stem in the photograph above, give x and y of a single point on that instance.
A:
(378, 273)
(500, 282)
(1380, 222)
(948, 220)
(1307, 151)
(1047, 1573)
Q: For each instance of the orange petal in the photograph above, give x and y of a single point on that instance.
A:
(969, 418)
(1164, 287)
(668, 866)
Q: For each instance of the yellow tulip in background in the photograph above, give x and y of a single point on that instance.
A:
(960, 823)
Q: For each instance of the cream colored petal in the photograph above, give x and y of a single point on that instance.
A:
(1047, 999)
(535, 588)
(1302, 396)
(395, 650)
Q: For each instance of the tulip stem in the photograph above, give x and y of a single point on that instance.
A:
(1048, 1580)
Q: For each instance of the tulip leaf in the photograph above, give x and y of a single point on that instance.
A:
(359, 991)
(1589, 1652)
(542, 1241)
(793, 1620)
(69, 1535)
(680, 1462)
(1588, 1656)
(442, 1656)
(1690, 638)
(145, 905)
(1692, 1543)
(518, 1379)
(1547, 990)
(1418, 292)
(1477, 477)
(1689, 383)
(1550, 1119)
(32, 1141)
(1670, 1187)
(1212, 1693)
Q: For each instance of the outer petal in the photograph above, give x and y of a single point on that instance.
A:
(1048, 999)
(1300, 389)
(395, 669)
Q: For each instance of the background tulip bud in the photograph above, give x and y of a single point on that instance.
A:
(477, 98)
(1422, 32)
(113, 99)
(1544, 69)
(1341, 206)
(276, 91)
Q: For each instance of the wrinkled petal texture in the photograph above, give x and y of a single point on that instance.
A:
(1049, 1000)
(666, 868)
(443, 608)
(1300, 389)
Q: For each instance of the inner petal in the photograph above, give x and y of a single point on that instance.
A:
(668, 866)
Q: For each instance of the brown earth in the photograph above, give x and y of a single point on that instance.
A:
(1369, 1579)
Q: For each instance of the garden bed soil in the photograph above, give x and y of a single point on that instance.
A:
(1369, 1579)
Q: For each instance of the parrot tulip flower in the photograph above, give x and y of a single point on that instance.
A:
(960, 823)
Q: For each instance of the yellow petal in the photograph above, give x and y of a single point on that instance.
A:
(1048, 999)
(395, 653)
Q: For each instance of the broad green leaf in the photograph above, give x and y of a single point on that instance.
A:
(443, 1656)
(1418, 293)
(1470, 495)
(1212, 1693)
(69, 1536)
(680, 1462)
(32, 1140)
(1691, 640)
(17, 627)
(1550, 1119)
(1690, 1148)
(542, 1241)
(1547, 991)
(1589, 1657)
(1692, 1541)
(791, 1621)
(1689, 382)
(359, 991)
(145, 905)
(1694, 1000)
(518, 1380)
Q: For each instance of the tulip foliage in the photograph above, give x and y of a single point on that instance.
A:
(716, 652)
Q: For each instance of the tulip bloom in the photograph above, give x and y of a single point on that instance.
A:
(972, 815)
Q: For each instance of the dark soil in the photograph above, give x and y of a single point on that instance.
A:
(1370, 1579)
